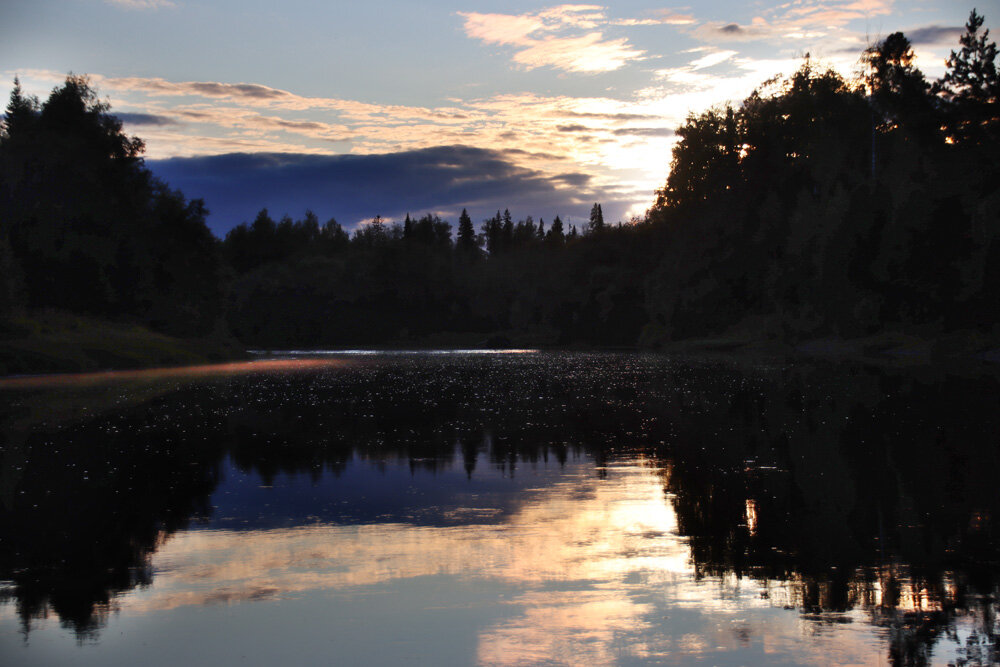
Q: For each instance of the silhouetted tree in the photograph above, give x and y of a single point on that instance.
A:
(555, 233)
(971, 86)
(492, 232)
(466, 241)
(90, 228)
(596, 223)
(898, 90)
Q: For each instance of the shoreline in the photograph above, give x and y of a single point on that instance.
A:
(54, 342)
(58, 343)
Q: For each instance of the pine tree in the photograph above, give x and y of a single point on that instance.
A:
(971, 87)
(898, 90)
(507, 231)
(466, 233)
(21, 114)
(556, 234)
(491, 232)
(596, 219)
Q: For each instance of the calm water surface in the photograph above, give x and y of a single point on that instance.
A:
(496, 509)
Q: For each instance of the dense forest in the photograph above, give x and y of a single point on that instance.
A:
(816, 207)
(87, 228)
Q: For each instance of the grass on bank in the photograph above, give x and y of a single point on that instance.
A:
(761, 336)
(50, 342)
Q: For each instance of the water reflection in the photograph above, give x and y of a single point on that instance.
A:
(62, 380)
(567, 508)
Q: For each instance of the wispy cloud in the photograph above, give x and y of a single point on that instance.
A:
(248, 112)
(712, 59)
(551, 38)
(142, 4)
(798, 20)
(662, 17)
(671, 17)
(827, 13)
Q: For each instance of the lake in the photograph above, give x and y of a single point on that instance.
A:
(512, 508)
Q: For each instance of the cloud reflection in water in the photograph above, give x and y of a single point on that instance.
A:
(599, 571)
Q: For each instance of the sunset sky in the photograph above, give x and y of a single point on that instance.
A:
(387, 107)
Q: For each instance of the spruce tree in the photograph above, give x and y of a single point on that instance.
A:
(556, 234)
(596, 219)
(971, 87)
(466, 233)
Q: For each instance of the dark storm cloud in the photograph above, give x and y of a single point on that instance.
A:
(145, 119)
(355, 187)
(934, 34)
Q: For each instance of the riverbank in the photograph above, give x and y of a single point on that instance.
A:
(55, 342)
(898, 347)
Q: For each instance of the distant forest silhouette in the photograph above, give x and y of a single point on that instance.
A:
(816, 207)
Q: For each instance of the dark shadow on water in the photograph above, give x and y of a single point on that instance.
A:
(864, 488)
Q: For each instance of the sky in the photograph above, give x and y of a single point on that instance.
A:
(387, 107)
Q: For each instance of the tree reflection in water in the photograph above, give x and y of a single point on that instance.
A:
(852, 487)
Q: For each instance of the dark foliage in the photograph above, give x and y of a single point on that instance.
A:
(393, 282)
(818, 207)
(86, 228)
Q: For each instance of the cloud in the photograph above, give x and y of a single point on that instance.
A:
(757, 29)
(663, 17)
(253, 122)
(217, 118)
(712, 59)
(356, 187)
(546, 38)
(670, 17)
(839, 13)
(215, 89)
(589, 53)
(260, 96)
(935, 35)
(142, 4)
(619, 132)
(144, 119)
(610, 116)
(798, 20)
(693, 77)
(530, 121)
(643, 132)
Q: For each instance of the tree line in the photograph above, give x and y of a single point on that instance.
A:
(817, 206)
(85, 227)
(411, 279)
(822, 206)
